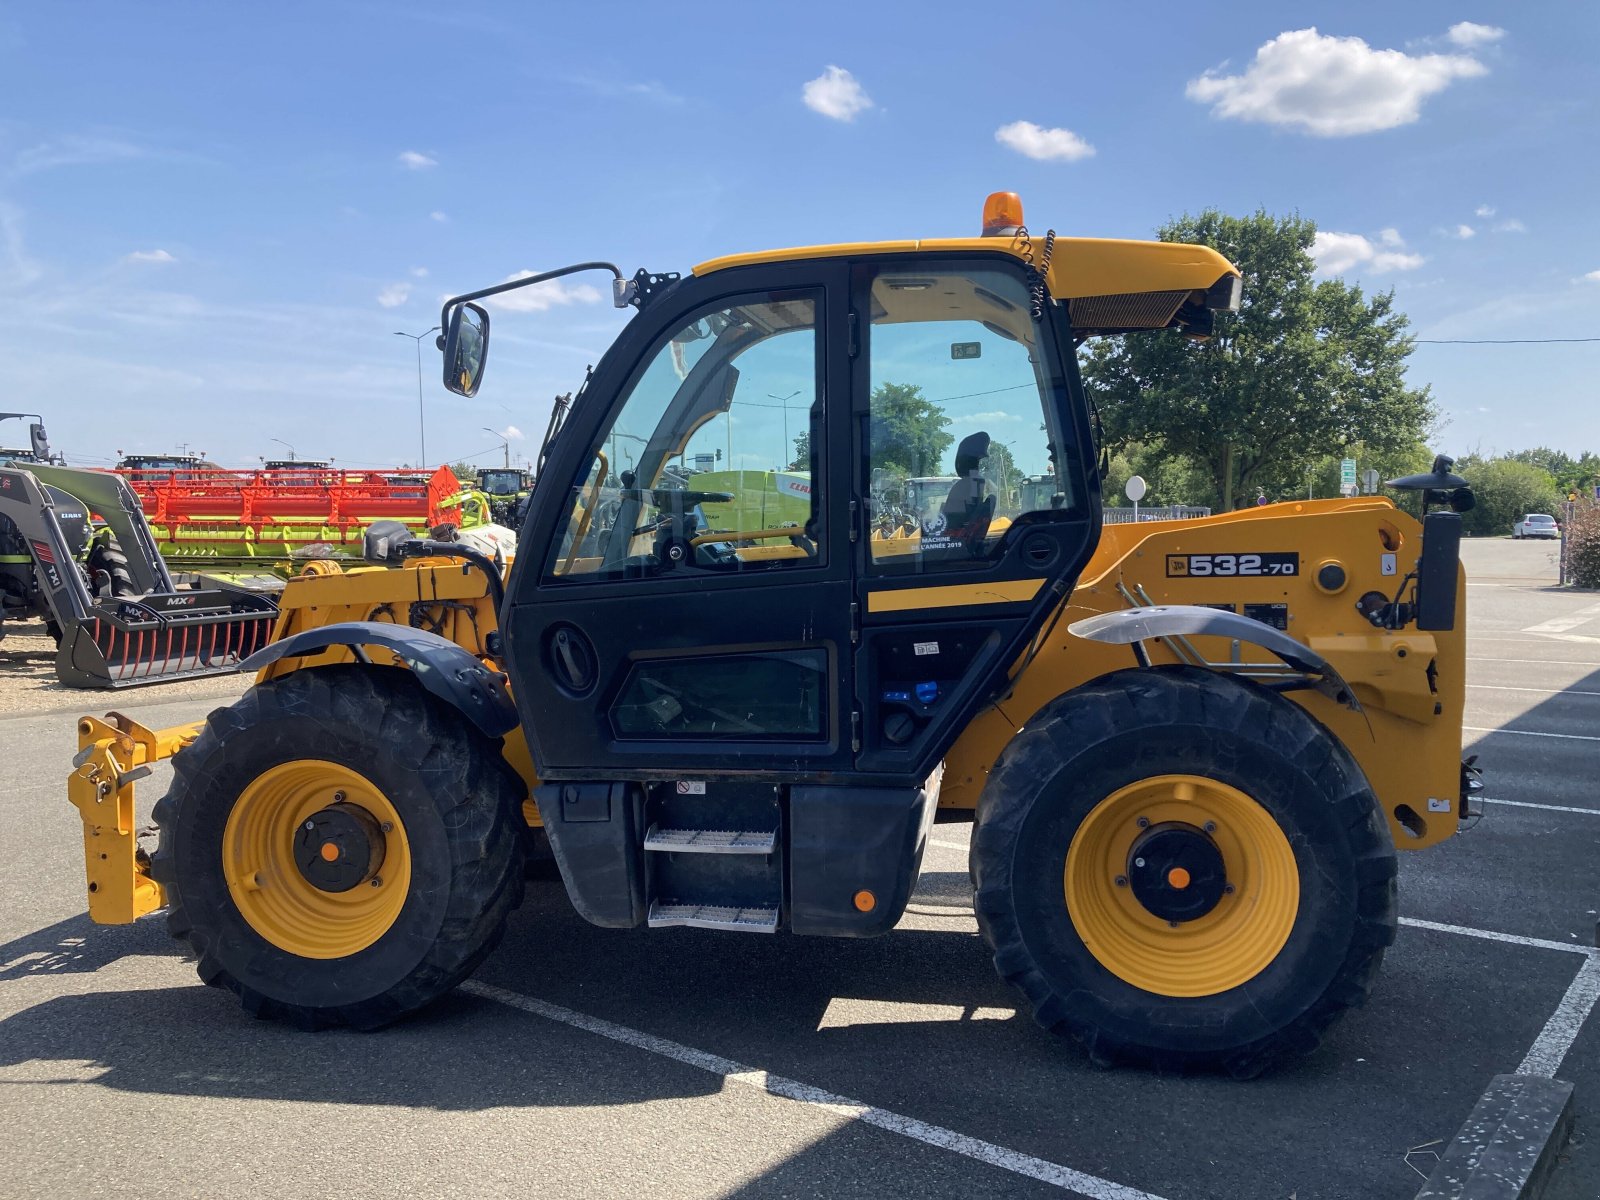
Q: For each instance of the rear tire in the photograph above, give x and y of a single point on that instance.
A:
(107, 556)
(1257, 978)
(449, 852)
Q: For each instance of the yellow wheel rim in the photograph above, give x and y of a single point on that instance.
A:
(270, 889)
(1227, 946)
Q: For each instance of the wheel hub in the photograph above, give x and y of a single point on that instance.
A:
(1176, 872)
(339, 848)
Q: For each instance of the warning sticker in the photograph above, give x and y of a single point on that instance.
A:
(691, 787)
(924, 648)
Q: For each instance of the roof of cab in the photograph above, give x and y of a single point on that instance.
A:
(1112, 284)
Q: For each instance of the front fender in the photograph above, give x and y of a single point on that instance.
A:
(441, 666)
(1179, 620)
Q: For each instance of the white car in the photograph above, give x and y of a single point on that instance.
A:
(1532, 525)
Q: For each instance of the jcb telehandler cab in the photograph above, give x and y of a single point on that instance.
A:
(1187, 746)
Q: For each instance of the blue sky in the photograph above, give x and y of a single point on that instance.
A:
(213, 218)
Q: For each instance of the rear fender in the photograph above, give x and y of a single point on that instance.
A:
(444, 668)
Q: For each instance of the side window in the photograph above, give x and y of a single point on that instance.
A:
(708, 465)
(961, 430)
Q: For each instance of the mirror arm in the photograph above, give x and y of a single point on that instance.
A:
(454, 301)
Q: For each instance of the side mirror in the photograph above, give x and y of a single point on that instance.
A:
(41, 443)
(465, 343)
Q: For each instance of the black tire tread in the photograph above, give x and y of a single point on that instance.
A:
(106, 555)
(411, 726)
(1161, 697)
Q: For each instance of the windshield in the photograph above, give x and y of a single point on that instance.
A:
(709, 461)
(500, 483)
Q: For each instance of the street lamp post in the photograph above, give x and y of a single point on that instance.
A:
(783, 403)
(422, 428)
(281, 442)
(504, 443)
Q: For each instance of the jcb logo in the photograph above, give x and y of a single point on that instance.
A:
(1177, 564)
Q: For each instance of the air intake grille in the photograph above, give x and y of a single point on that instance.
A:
(1133, 310)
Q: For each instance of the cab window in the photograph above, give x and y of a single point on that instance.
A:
(710, 461)
(961, 436)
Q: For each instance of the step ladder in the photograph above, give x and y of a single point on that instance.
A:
(714, 857)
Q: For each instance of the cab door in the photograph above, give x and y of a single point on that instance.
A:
(681, 601)
(977, 480)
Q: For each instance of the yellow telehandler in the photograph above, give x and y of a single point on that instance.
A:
(1189, 748)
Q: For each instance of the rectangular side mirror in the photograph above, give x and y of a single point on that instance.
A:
(466, 348)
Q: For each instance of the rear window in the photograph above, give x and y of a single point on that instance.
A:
(1540, 519)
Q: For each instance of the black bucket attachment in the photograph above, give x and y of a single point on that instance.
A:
(180, 635)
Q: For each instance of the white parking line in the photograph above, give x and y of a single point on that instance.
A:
(947, 845)
(1571, 737)
(1538, 662)
(1496, 687)
(1571, 621)
(1561, 1030)
(776, 1085)
(1493, 935)
(1593, 812)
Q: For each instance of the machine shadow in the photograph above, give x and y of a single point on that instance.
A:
(77, 945)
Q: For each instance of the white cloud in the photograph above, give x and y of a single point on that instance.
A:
(837, 94)
(16, 268)
(394, 295)
(990, 417)
(1337, 253)
(150, 256)
(1461, 232)
(1593, 276)
(642, 89)
(1467, 34)
(1046, 145)
(1511, 225)
(412, 160)
(75, 152)
(419, 272)
(541, 297)
(1330, 86)
(1484, 210)
(439, 217)
(511, 433)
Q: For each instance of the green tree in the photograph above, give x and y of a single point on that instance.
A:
(907, 430)
(1170, 477)
(1506, 490)
(802, 452)
(1305, 367)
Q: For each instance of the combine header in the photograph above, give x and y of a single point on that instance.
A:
(209, 518)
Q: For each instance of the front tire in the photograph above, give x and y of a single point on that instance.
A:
(1183, 872)
(339, 847)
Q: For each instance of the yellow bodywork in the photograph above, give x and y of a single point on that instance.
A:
(1407, 736)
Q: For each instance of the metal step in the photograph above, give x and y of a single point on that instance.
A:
(710, 841)
(758, 919)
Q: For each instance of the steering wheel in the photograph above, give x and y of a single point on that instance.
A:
(591, 501)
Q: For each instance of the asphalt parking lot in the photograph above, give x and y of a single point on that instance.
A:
(583, 1062)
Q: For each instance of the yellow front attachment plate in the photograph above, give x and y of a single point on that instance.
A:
(112, 755)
